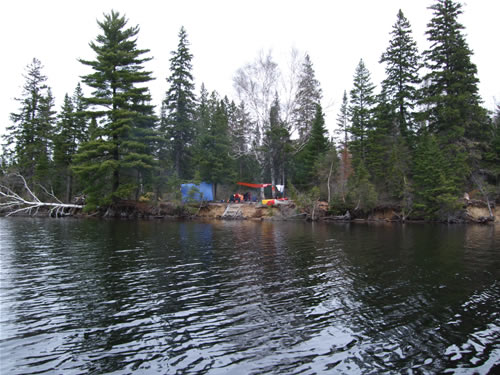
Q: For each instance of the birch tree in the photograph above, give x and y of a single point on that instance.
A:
(257, 84)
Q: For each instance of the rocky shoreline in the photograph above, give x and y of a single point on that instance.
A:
(473, 212)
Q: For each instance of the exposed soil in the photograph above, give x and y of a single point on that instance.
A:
(474, 211)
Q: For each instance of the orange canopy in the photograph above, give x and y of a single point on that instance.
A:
(256, 186)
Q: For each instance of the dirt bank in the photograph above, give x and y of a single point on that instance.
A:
(475, 212)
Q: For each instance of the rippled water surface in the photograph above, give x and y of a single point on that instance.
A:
(121, 297)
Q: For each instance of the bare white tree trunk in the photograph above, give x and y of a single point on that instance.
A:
(14, 203)
(328, 182)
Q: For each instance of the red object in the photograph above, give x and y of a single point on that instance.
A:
(256, 186)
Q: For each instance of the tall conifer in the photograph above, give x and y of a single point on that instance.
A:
(29, 138)
(308, 97)
(177, 122)
(451, 91)
(361, 109)
(114, 163)
(402, 67)
(450, 95)
(316, 147)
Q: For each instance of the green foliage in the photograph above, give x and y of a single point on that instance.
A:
(436, 191)
(315, 148)
(491, 158)
(305, 201)
(402, 67)
(342, 129)
(362, 194)
(213, 147)
(29, 138)
(178, 108)
(120, 150)
(276, 145)
(361, 110)
(111, 146)
(451, 93)
(70, 132)
(307, 99)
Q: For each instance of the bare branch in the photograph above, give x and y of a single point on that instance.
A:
(9, 200)
(27, 187)
(50, 194)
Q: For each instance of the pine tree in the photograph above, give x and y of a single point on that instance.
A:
(29, 138)
(177, 121)
(308, 97)
(360, 110)
(402, 67)
(114, 163)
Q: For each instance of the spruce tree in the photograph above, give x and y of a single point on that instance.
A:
(29, 138)
(316, 147)
(450, 96)
(402, 67)
(213, 161)
(65, 145)
(343, 130)
(361, 110)
(362, 194)
(114, 162)
(451, 92)
(308, 97)
(491, 157)
(343, 122)
(435, 190)
(177, 122)
(275, 145)
(380, 138)
(71, 131)
(81, 131)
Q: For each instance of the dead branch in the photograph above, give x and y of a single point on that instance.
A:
(15, 203)
(485, 195)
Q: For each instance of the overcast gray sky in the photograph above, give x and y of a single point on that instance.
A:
(227, 34)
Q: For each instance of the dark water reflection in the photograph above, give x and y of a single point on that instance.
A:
(247, 298)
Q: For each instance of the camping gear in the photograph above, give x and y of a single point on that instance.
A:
(275, 202)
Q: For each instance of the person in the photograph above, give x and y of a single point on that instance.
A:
(231, 198)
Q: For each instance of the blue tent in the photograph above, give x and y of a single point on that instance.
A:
(203, 192)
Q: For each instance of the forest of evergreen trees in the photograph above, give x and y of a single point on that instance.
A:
(418, 145)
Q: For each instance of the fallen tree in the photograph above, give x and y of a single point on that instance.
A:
(14, 203)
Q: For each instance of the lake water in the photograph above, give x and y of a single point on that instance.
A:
(242, 297)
